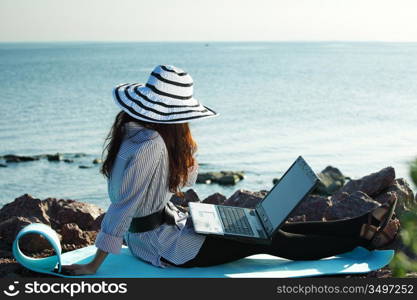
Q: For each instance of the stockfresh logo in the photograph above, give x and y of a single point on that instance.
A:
(12, 289)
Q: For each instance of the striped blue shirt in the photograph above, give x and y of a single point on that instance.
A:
(137, 187)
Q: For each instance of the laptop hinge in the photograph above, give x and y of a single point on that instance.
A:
(266, 224)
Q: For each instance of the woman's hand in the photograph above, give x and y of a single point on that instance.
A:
(79, 269)
(85, 269)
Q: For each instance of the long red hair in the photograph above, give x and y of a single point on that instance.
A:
(177, 137)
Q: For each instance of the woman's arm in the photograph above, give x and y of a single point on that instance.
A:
(98, 259)
(117, 219)
(88, 268)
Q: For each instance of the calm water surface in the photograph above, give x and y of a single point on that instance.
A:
(350, 105)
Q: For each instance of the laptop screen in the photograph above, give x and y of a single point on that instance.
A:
(287, 193)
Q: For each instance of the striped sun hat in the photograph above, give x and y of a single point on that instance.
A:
(167, 97)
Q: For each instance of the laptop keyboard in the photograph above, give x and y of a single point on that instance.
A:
(235, 220)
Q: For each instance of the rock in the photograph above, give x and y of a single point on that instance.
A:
(72, 234)
(10, 227)
(228, 180)
(97, 161)
(34, 243)
(351, 200)
(331, 180)
(71, 211)
(244, 198)
(53, 212)
(215, 198)
(50, 157)
(69, 247)
(17, 158)
(372, 184)
(54, 157)
(26, 206)
(84, 167)
(3, 166)
(313, 207)
(96, 225)
(222, 177)
(9, 268)
(404, 193)
(350, 206)
(209, 176)
(301, 218)
(189, 196)
(240, 174)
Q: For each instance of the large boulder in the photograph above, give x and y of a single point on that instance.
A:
(331, 180)
(70, 211)
(26, 206)
(357, 197)
(72, 234)
(10, 227)
(300, 218)
(404, 193)
(208, 177)
(372, 184)
(54, 157)
(34, 243)
(96, 225)
(215, 198)
(11, 158)
(245, 198)
(312, 208)
(53, 212)
(222, 177)
(189, 196)
(350, 206)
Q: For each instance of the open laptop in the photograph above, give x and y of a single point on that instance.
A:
(258, 224)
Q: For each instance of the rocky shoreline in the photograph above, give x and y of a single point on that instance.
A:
(84, 162)
(7, 159)
(78, 223)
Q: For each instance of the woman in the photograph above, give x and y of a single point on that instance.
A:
(151, 156)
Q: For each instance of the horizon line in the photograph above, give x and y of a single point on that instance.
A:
(206, 41)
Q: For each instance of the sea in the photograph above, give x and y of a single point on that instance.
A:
(350, 105)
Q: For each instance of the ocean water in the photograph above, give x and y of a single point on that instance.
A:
(349, 105)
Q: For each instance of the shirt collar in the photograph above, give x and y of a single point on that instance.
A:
(132, 126)
(138, 132)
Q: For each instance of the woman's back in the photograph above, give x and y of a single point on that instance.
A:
(138, 186)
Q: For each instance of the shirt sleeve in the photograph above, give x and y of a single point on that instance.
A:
(192, 174)
(133, 188)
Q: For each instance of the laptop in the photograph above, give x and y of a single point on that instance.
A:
(257, 225)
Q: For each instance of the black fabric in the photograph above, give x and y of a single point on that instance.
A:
(295, 241)
(152, 221)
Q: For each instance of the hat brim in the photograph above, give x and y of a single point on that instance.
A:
(141, 103)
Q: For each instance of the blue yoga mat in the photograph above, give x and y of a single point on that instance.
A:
(125, 265)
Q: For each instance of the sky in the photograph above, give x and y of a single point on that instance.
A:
(208, 20)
